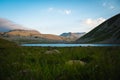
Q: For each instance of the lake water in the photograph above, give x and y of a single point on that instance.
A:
(69, 45)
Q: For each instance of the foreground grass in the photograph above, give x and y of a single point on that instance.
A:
(72, 63)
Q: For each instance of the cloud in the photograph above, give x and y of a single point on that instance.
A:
(67, 12)
(60, 11)
(50, 9)
(90, 23)
(93, 22)
(112, 7)
(104, 4)
(108, 5)
(6, 25)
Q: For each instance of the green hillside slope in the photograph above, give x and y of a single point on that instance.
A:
(5, 43)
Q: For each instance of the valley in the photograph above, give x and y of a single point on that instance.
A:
(58, 63)
(59, 40)
(19, 34)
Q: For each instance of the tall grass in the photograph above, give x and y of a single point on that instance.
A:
(31, 63)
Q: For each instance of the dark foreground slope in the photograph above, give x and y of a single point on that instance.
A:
(107, 32)
(67, 63)
(5, 43)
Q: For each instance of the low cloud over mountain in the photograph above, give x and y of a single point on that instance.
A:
(6, 25)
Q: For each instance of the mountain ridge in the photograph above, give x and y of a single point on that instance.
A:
(72, 36)
(107, 32)
(17, 33)
(30, 36)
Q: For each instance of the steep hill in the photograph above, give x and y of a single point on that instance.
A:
(72, 36)
(20, 32)
(107, 32)
(30, 36)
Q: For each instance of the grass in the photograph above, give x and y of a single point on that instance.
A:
(32, 63)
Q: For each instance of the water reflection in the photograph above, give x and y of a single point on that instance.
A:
(69, 45)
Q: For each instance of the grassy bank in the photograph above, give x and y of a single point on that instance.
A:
(46, 63)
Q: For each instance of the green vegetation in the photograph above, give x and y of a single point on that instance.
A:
(51, 63)
(5, 43)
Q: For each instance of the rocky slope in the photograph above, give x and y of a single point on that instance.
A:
(72, 36)
(107, 32)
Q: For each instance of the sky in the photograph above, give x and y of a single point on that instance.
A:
(58, 16)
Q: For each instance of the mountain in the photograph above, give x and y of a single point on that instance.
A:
(17, 33)
(107, 32)
(31, 33)
(72, 36)
(6, 25)
(30, 36)
(20, 32)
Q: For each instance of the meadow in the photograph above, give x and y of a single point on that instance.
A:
(54, 63)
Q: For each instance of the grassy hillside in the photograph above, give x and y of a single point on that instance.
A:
(46, 63)
(107, 32)
(6, 43)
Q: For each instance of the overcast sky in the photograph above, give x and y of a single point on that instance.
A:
(58, 16)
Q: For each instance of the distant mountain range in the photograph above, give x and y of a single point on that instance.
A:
(72, 36)
(17, 33)
(107, 32)
(31, 36)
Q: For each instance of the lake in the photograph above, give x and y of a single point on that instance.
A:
(69, 45)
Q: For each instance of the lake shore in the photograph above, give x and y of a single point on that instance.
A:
(71, 45)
